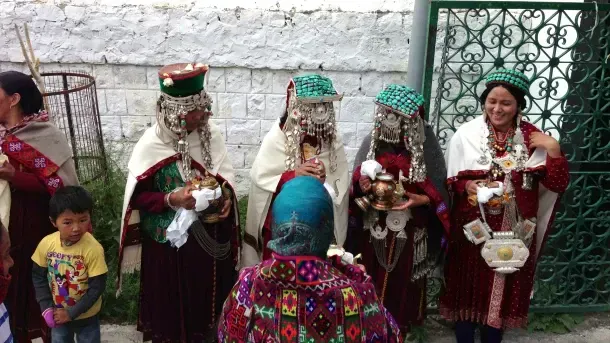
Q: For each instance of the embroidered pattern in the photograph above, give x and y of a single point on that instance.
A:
(33, 161)
(331, 309)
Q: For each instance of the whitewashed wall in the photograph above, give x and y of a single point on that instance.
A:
(253, 48)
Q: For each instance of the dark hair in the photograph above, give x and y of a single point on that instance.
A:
(15, 82)
(72, 198)
(514, 91)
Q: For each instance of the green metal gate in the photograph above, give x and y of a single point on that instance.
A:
(564, 49)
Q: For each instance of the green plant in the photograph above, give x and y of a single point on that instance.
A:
(242, 204)
(107, 194)
(553, 322)
(418, 334)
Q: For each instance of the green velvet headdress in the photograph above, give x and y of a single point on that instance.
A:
(182, 92)
(182, 79)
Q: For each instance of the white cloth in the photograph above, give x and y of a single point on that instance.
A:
(265, 174)
(177, 231)
(153, 148)
(467, 146)
(204, 196)
(486, 193)
(371, 168)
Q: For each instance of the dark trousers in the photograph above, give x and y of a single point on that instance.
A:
(464, 333)
(85, 330)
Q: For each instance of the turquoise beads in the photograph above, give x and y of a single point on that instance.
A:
(401, 98)
(308, 86)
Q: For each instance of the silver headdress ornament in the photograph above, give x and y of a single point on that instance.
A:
(399, 110)
(310, 112)
(172, 111)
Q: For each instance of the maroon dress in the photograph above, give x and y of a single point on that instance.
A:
(181, 290)
(469, 290)
(29, 196)
(404, 299)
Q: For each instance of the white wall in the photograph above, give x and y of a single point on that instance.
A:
(253, 48)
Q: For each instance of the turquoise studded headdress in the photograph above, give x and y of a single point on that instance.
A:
(310, 112)
(513, 78)
(399, 117)
(402, 100)
(315, 89)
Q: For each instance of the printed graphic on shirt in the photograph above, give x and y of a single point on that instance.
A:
(67, 277)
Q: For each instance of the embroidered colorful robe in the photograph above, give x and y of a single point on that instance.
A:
(305, 299)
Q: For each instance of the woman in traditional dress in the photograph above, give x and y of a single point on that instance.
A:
(35, 160)
(505, 178)
(186, 270)
(399, 243)
(298, 295)
(304, 141)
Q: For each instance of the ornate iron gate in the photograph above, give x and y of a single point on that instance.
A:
(564, 49)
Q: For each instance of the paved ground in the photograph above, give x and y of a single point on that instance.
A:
(595, 329)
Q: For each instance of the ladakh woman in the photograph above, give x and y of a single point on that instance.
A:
(297, 295)
(505, 178)
(399, 244)
(36, 160)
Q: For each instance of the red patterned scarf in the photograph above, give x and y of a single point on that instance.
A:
(43, 153)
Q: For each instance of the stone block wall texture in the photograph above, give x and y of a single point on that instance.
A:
(252, 47)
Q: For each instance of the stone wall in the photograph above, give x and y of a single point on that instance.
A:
(253, 49)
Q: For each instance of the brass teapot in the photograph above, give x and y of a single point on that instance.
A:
(211, 214)
(384, 193)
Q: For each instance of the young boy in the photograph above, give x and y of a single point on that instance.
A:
(69, 270)
(5, 280)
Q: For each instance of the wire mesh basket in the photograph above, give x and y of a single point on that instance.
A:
(71, 100)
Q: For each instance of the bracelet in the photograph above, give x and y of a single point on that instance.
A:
(167, 201)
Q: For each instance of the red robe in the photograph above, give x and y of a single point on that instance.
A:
(469, 293)
(186, 307)
(43, 164)
(406, 300)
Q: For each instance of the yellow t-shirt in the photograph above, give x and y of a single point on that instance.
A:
(70, 267)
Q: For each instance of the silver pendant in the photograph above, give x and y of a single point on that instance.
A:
(397, 220)
(527, 181)
(483, 160)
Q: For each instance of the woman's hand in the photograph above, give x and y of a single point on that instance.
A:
(7, 171)
(365, 184)
(307, 169)
(546, 142)
(226, 209)
(472, 186)
(183, 198)
(415, 200)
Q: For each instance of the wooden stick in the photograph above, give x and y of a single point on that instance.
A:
(33, 62)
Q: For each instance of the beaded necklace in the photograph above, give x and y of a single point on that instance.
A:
(496, 145)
